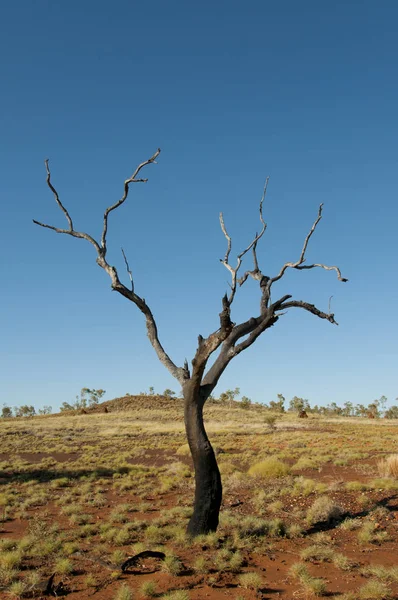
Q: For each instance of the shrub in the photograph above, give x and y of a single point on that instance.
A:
(172, 565)
(124, 593)
(368, 534)
(250, 581)
(323, 510)
(10, 560)
(63, 566)
(314, 585)
(17, 589)
(374, 590)
(148, 589)
(386, 574)
(270, 467)
(318, 553)
(355, 486)
(200, 565)
(304, 463)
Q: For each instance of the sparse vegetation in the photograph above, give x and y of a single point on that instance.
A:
(106, 503)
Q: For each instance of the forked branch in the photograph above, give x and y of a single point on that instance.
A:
(299, 263)
(256, 274)
(245, 334)
(178, 372)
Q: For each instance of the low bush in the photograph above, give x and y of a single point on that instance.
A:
(323, 510)
(271, 467)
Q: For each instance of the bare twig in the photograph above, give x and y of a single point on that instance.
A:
(54, 191)
(128, 270)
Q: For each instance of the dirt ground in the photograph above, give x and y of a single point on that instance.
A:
(79, 494)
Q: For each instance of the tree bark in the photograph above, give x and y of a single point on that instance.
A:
(208, 488)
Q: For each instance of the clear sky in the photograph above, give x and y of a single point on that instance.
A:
(306, 92)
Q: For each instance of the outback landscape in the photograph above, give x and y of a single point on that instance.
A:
(310, 506)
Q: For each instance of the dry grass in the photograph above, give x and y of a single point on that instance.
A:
(108, 486)
(270, 467)
(324, 509)
(388, 467)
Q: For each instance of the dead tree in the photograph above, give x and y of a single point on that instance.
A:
(230, 339)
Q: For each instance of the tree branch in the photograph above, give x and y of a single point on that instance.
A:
(132, 179)
(310, 308)
(299, 264)
(256, 274)
(128, 270)
(54, 191)
(252, 328)
(70, 231)
(179, 373)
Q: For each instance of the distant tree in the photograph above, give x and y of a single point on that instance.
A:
(151, 391)
(382, 401)
(46, 410)
(297, 404)
(169, 393)
(270, 420)
(334, 409)
(391, 413)
(6, 412)
(245, 402)
(65, 406)
(373, 410)
(229, 339)
(229, 396)
(94, 396)
(278, 406)
(348, 409)
(88, 398)
(360, 410)
(24, 411)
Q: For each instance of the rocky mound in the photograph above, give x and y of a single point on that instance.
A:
(144, 401)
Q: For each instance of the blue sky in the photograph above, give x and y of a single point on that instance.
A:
(306, 92)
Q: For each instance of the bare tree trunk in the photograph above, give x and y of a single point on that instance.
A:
(208, 488)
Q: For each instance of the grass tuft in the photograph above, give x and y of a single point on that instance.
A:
(388, 467)
(323, 510)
